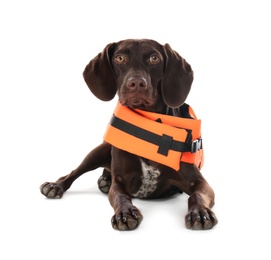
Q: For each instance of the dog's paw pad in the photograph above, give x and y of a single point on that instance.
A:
(52, 190)
(104, 184)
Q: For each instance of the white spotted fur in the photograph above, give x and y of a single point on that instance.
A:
(149, 179)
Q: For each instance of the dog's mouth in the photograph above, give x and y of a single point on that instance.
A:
(136, 101)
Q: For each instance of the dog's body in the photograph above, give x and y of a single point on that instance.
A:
(150, 77)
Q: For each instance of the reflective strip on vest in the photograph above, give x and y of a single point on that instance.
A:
(161, 138)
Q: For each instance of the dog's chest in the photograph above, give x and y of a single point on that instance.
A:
(149, 178)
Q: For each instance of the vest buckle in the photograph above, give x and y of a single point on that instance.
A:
(196, 145)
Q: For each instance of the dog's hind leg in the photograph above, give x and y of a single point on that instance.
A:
(98, 157)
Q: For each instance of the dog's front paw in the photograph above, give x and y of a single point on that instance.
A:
(127, 219)
(200, 219)
(52, 190)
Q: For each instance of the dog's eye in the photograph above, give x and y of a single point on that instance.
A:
(119, 59)
(154, 59)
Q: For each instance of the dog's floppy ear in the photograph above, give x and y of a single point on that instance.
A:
(177, 80)
(99, 74)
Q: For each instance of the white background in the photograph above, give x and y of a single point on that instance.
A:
(50, 121)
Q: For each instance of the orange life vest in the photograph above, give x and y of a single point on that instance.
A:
(161, 138)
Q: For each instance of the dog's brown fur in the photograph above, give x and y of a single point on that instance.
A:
(152, 77)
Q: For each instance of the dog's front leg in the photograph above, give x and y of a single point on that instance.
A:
(124, 174)
(201, 200)
(127, 216)
(200, 216)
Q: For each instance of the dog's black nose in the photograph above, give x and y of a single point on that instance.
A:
(136, 82)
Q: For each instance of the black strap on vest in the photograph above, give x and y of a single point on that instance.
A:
(164, 142)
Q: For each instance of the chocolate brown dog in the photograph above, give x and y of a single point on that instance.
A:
(151, 77)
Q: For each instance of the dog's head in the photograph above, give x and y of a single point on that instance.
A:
(142, 73)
